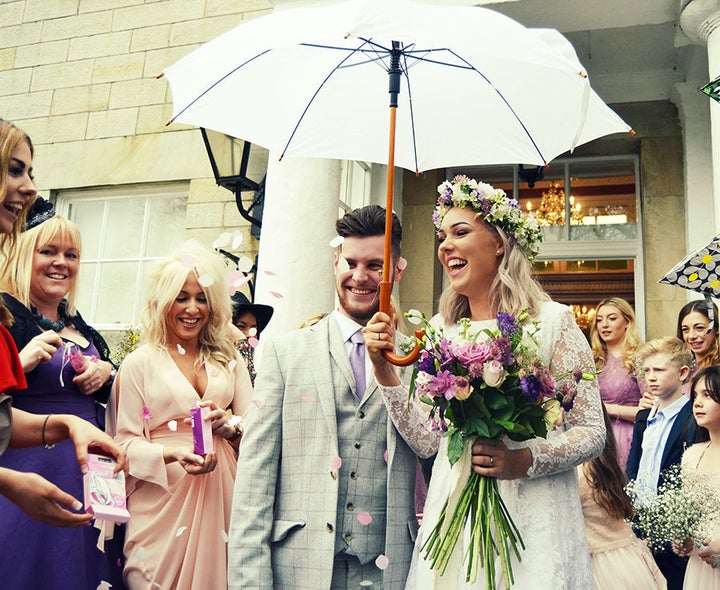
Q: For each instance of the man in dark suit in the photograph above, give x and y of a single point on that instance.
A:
(662, 434)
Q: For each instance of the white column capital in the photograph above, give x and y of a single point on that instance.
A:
(699, 18)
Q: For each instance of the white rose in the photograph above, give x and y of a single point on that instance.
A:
(493, 373)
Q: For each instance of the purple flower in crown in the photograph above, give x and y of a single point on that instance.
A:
(507, 324)
(531, 387)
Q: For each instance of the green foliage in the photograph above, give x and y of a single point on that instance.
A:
(129, 341)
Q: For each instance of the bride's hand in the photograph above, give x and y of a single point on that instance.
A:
(492, 458)
(379, 334)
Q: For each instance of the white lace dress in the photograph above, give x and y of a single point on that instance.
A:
(545, 506)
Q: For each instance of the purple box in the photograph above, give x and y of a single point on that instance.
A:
(202, 431)
(105, 490)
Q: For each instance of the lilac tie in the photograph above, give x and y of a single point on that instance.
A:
(357, 362)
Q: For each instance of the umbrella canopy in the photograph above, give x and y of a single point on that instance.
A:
(476, 87)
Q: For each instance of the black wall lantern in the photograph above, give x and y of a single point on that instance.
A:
(229, 158)
(531, 174)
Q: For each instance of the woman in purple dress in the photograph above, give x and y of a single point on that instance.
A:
(68, 372)
(614, 340)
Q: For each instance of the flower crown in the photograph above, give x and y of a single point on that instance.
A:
(494, 206)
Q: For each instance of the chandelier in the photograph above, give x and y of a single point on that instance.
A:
(552, 207)
(584, 316)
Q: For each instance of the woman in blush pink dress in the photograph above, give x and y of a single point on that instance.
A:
(614, 341)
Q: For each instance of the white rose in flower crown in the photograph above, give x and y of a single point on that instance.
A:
(493, 373)
(553, 411)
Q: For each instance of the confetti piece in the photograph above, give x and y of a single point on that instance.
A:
(206, 280)
(231, 365)
(342, 265)
(237, 239)
(224, 536)
(172, 425)
(385, 456)
(305, 398)
(245, 264)
(382, 562)
(276, 294)
(336, 463)
(187, 260)
(252, 341)
(257, 403)
(222, 240)
(366, 583)
(146, 414)
(336, 241)
(270, 273)
(180, 349)
(104, 585)
(182, 529)
(214, 372)
(253, 331)
(402, 263)
(141, 553)
(241, 282)
(364, 518)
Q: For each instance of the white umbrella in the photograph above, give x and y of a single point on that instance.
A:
(467, 86)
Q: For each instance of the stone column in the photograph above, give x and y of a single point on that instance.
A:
(699, 20)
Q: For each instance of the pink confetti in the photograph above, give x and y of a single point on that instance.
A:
(385, 456)
(364, 518)
(214, 372)
(257, 403)
(241, 282)
(146, 414)
(382, 562)
(336, 463)
(270, 273)
(172, 425)
(402, 263)
(276, 294)
(252, 341)
(305, 398)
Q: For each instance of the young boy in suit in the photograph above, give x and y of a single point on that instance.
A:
(662, 433)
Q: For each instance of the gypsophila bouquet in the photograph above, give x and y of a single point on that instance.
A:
(685, 506)
(486, 384)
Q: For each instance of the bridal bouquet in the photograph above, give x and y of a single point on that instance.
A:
(488, 384)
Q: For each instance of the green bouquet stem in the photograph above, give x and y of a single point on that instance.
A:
(492, 533)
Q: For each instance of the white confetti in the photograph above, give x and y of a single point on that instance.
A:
(172, 425)
(206, 280)
(187, 260)
(222, 240)
(253, 331)
(382, 562)
(104, 585)
(141, 553)
(366, 583)
(231, 365)
(224, 536)
(336, 241)
(180, 349)
(237, 239)
(180, 531)
(342, 265)
(245, 264)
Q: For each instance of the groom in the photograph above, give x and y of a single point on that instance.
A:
(325, 485)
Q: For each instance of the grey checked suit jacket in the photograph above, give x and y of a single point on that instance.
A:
(282, 531)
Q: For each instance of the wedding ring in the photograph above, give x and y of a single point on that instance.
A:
(492, 460)
(377, 336)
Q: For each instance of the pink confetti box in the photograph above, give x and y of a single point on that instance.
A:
(105, 490)
(202, 431)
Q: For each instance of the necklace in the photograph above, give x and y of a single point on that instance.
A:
(47, 323)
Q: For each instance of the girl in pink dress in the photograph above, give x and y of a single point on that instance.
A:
(614, 340)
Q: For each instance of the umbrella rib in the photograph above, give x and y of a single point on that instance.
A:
(412, 113)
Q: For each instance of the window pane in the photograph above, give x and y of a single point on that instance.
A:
(84, 294)
(88, 217)
(117, 292)
(123, 238)
(166, 225)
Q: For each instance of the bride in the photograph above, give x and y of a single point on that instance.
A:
(486, 247)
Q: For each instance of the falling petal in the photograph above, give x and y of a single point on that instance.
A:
(305, 398)
(253, 331)
(366, 583)
(382, 562)
(336, 241)
(336, 463)
(402, 263)
(187, 260)
(241, 282)
(205, 280)
(104, 585)
(237, 239)
(141, 553)
(270, 273)
(342, 265)
(146, 414)
(222, 240)
(180, 349)
(172, 425)
(224, 536)
(385, 456)
(231, 365)
(364, 518)
(252, 341)
(245, 264)
(258, 404)
(182, 529)
(214, 372)
(276, 294)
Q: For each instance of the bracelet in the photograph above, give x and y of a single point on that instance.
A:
(44, 426)
(238, 434)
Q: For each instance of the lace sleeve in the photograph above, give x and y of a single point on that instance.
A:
(582, 436)
(411, 422)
